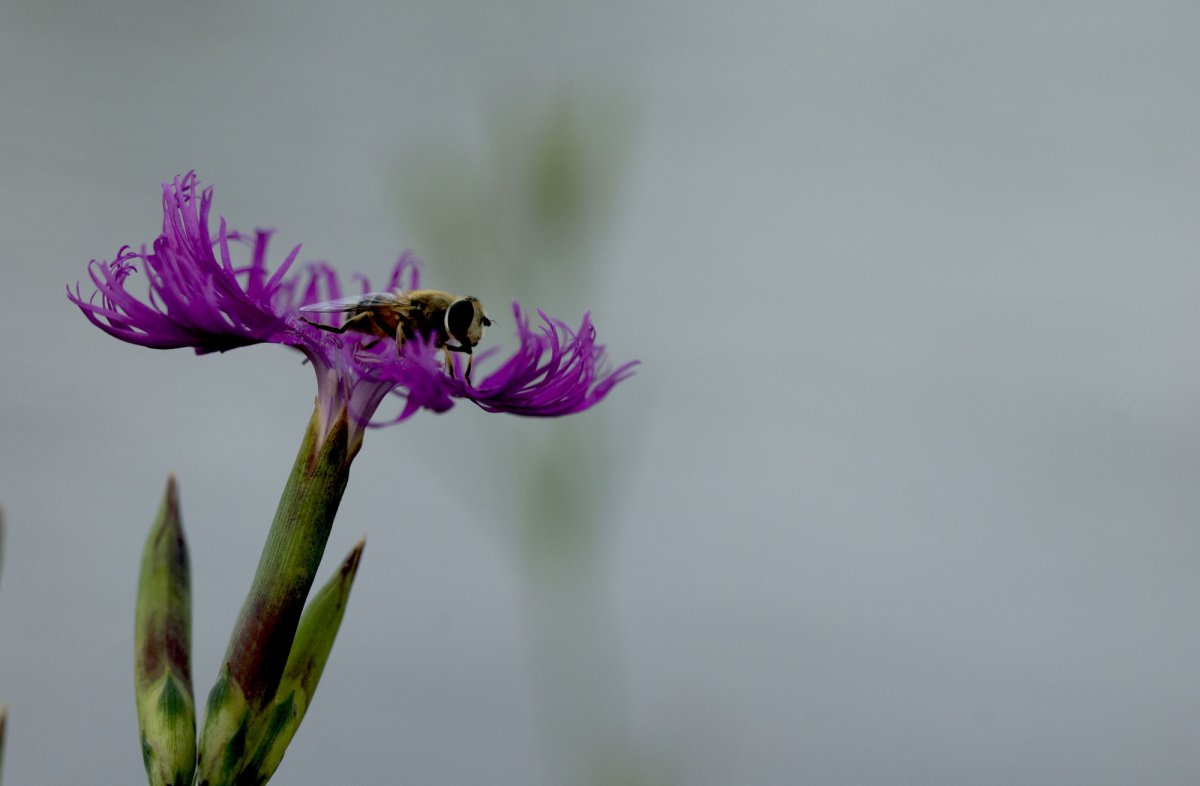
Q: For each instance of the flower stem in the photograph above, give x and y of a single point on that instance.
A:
(262, 638)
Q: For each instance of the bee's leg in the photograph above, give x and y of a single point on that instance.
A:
(320, 326)
(450, 365)
(359, 322)
(449, 360)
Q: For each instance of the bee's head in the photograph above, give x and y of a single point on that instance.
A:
(465, 321)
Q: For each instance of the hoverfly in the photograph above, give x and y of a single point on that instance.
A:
(402, 315)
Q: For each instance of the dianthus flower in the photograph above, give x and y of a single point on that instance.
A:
(196, 296)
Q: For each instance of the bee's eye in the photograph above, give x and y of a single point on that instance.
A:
(459, 317)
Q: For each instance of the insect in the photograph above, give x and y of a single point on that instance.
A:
(404, 314)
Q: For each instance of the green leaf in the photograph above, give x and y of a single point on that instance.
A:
(310, 650)
(162, 651)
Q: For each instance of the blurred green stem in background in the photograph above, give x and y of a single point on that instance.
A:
(524, 218)
(521, 211)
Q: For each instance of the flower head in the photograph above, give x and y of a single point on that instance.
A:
(196, 296)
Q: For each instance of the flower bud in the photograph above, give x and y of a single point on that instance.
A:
(223, 740)
(162, 651)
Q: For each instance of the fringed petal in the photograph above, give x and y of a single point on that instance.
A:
(197, 296)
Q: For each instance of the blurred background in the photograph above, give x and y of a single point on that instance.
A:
(904, 490)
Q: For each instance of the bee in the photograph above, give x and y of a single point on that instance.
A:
(402, 315)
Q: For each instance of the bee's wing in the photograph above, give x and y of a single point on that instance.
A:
(354, 303)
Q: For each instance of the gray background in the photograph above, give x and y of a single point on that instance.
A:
(904, 491)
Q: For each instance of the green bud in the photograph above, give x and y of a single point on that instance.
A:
(223, 741)
(162, 651)
(310, 650)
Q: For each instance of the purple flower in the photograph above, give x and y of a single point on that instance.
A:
(196, 296)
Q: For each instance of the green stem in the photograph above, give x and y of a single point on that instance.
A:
(262, 638)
